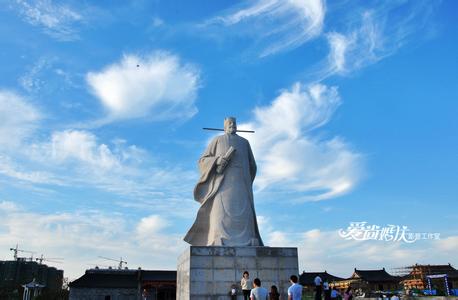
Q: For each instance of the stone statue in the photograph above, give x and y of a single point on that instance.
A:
(226, 216)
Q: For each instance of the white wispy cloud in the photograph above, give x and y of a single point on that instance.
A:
(31, 80)
(13, 170)
(82, 146)
(291, 157)
(43, 78)
(18, 119)
(358, 48)
(372, 35)
(79, 237)
(157, 86)
(448, 244)
(150, 225)
(157, 22)
(79, 159)
(80, 151)
(56, 20)
(275, 25)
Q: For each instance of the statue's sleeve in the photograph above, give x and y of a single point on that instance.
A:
(207, 184)
(252, 163)
(208, 158)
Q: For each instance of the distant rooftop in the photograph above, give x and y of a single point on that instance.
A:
(418, 269)
(26, 262)
(374, 275)
(307, 278)
(120, 278)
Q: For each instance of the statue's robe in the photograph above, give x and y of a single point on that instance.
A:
(226, 216)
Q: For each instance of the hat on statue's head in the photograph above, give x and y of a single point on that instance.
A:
(227, 119)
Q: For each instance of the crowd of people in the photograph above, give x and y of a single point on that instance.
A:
(253, 290)
(322, 288)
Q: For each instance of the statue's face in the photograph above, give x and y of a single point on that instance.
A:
(230, 127)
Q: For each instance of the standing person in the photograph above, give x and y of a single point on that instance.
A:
(295, 290)
(144, 294)
(274, 295)
(258, 292)
(348, 295)
(318, 287)
(246, 285)
(327, 291)
(233, 292)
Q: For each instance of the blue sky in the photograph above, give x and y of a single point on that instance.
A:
(353, 104)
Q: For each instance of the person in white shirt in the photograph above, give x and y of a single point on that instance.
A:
(317, 280)
(318, 287)
(295, 290)
(258, 292)
(245, 282)
(327, 291)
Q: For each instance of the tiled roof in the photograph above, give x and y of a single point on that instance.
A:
(106, 279)
(159, 275)
(374, 275)
(113, 278)
(307, 278)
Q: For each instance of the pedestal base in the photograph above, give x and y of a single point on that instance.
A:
(209, 272)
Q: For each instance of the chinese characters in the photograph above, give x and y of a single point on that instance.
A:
(361, 231)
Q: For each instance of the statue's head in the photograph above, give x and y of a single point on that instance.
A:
(230, 125)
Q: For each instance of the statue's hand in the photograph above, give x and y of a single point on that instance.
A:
(221, 163)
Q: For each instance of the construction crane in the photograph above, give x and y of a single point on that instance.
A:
(16, 250)
(54, 259)
(120, 261)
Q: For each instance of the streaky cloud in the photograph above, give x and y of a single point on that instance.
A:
(57, 20)
(275, 25)
(375, 33)
(19, 118)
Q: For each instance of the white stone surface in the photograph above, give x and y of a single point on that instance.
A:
(207, 272)
(227, 215)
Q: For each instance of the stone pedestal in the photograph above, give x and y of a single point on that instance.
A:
(209, 272)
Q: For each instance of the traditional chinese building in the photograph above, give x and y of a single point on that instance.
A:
(124, 284)
(370, 281)
(432, 277)
(306, 279)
